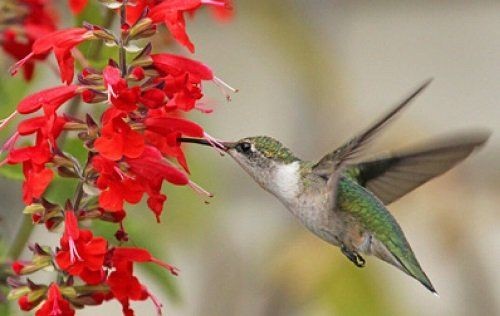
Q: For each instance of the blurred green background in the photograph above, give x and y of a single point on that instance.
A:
(313, 73)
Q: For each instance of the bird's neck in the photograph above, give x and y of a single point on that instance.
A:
(286, 182)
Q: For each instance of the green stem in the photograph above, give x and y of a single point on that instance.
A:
(78, 195)
(123, 53)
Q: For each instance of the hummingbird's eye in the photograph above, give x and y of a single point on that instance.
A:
(244, 147)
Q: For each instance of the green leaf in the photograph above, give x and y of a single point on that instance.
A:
(60, 190)
(74, 146)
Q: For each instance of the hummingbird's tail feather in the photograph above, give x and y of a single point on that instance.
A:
(406, 262)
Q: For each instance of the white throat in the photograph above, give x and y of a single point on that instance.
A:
(286, 181)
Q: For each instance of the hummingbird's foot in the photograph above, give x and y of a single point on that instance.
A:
(353, 256)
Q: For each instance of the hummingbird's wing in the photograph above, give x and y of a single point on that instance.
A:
(333, 161)
(392, 176)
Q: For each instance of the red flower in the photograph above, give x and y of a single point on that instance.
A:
(36, 177)
(168, 145)
(171, 13)
(165, 125)
(122, 97)
(55, 305)
(118, 140)
(153, 98)
(150, 169)
(81, 254)
(29, 301)
(50, 99)
(123, 284)
(49, 127)
(124, 255)
(61, 42)
(25, 304)
(183, 78)
(32, 20)
(116, 186)
(177, 65)
(128, 181)
(77, 6)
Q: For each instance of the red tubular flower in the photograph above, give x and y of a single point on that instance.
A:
(36, 177)
(150, 169)
(163, 132)
(61, 42)
(50, 99)
(122, 97)
(183, 78)
(114, 193)
(171, 13)
(18, 266)
(153, 98)
(166, 125)
(151, 166)
(145, 174)
(81, 254)
(168, 145)
(37, 180)
(25, 304)
(116, 187)
(177, 65)
(34, 158)
(123, 255)
(118, 140)
(77, 6)
(55, 305)
(123, 284)
(33, 19)
(49, 127)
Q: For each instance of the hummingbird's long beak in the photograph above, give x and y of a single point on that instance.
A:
(225, 146)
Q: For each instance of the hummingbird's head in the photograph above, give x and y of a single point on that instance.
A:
(263, 157)
(271, 164)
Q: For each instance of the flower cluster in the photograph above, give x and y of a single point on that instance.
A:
(133, 149)
(22, 22)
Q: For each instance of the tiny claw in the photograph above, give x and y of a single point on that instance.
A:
(361, 261)
(353, 256)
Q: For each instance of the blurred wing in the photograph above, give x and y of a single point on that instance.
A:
(333, 161)
(393, 176)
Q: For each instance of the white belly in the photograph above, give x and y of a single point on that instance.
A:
(313, 215)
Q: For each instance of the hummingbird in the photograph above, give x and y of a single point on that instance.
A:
(342, 198)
